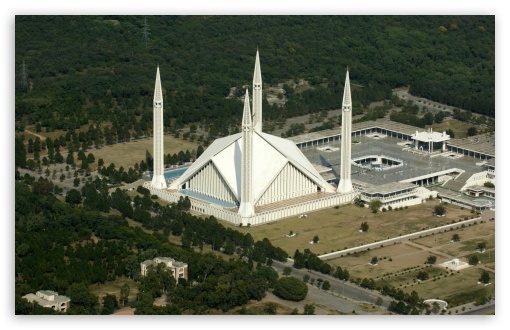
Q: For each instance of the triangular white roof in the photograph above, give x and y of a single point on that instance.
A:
(270, 155)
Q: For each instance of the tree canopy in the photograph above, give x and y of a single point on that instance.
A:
(96, 68)
(291, 288)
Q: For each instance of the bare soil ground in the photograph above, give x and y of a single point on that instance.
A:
(129, 153)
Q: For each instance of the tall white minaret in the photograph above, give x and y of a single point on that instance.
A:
(257, 96)
(345, 184)
(158, 178)
(246, 209)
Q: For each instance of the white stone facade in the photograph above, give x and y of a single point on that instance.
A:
(179, 269)
(158, 178)
(49, 299)
(345, 183)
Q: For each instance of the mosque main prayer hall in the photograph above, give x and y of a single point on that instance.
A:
(252, 177)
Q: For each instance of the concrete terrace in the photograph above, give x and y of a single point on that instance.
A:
(414, 165)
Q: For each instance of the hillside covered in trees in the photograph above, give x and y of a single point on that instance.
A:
(73, 69)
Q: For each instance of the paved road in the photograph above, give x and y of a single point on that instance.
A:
(486, 310)
(343, 296)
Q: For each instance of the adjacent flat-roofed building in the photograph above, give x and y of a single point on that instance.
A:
(49, 299)
(179, 269)
(394, 194)
(478, 190)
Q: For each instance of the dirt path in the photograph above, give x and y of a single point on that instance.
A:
(37, 135)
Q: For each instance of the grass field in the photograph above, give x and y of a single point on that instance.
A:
(470, 237)
(400, 263)
(129, 153)
(339, 228)
(113, 287)
(401, 256)
(459, 127)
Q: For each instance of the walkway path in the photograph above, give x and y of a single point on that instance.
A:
(43, 138)
(435, 251)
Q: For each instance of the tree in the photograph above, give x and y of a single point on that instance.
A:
(73, 197)
(431, 260)
(315, 239)
(485, 277)
(91, 158)
(84, 164)
(473, 260)
(472, 131)
(451, 133)
(20, 155)
(44, 187)
(70, 158)
(481, 247)
(109, 304)
(83, 302)
(364, 226)
(455, 238)
(124, 294)
(435, 307)
(306, 278)
(290, 288)
(422, 276)
(374, 261)
(200, 150)
(439, 210)
(270, 308)
(375, 205)
(76, 182)
(489, 184)
(287, 271)
(309, 309)
(326, 285)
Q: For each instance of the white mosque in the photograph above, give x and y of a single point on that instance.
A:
(253, 177)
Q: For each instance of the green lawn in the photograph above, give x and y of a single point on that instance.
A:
(338, 228)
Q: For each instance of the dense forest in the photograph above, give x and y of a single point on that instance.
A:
(68, 246)
(71, 70)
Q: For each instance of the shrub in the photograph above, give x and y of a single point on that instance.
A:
(290, 288)
(473, 260)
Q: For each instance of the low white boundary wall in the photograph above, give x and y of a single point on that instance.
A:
(259, 218)
(399, 239)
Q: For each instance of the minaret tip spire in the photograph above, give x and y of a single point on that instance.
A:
(246, 111)
(257, 95)
(347, 90)
(158, 95)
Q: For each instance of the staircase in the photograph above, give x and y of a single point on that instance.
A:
(457, 183)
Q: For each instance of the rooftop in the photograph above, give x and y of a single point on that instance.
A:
(430, 136)
(382, 123)
(413, 165)
(389, 187)
(480, 143)
(481, 188)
